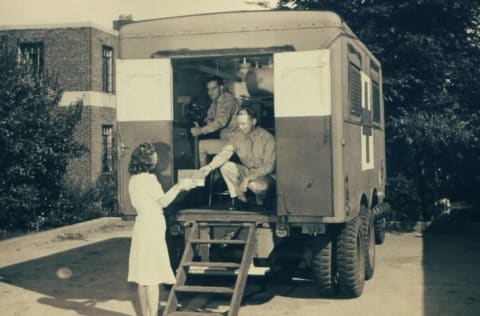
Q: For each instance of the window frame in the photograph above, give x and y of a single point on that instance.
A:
(376, 94)
(25, 53)
(354, 81)
(107, 69)
(107, 149)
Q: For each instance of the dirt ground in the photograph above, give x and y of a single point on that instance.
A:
(434, 273)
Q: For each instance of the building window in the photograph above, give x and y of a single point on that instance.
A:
(107, 144)
(107, 69)
(32, 54)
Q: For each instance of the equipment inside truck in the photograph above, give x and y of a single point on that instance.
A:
(248, 78)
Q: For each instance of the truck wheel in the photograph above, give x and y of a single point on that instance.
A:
(350, 256)
(368, 231)
(379, 230)
(323, 269)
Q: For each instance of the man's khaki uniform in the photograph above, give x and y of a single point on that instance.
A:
(220, 117)
(256, 151)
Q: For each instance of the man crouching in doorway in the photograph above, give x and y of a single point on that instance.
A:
(255, 148)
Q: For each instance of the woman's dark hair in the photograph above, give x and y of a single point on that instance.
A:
(142, 159)
(247, 110)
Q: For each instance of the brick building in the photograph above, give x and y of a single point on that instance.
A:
(83, 59)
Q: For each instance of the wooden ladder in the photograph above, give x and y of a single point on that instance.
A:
(238, 269)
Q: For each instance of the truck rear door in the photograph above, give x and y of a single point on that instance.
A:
(144, 113)
(303, 110)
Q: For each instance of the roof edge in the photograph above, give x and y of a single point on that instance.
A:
(57, 26)
(134, 22)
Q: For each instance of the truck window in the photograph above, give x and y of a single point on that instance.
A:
(375, 102)
(375, 75)
(354, 81)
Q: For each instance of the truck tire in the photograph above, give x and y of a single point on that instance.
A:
(368, 231)
(323, 268)
(380, 230)
(350, 256)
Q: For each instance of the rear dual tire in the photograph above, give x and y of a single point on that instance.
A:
(338, 260)
(350, 257)
(368, 231)
(323, 265)
(380, 224)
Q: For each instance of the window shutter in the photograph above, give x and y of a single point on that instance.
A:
(375, 102)
(355, 89)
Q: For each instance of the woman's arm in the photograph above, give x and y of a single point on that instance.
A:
(171, 194)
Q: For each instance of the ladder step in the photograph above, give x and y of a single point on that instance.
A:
(190, 313)
(218, 241)
(204, 289)
(212, 264)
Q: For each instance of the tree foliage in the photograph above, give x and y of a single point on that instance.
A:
(36, 138)
(430, 52)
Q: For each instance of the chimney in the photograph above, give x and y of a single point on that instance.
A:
(122, 20)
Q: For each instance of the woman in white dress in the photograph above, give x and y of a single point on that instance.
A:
(149, 263)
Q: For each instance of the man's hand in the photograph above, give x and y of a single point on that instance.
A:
(196, 131)
(244, 185)
(205, 170)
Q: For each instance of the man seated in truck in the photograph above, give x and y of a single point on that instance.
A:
(255, 148)
(220, 118)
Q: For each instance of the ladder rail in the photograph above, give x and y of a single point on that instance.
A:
(237, 290)
(181, 273)
(243, 271)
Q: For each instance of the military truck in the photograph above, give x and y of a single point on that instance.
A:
(317, 88)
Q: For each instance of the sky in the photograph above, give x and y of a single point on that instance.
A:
(103, 12)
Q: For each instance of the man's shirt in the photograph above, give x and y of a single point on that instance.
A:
(256, 151)
(221, 116)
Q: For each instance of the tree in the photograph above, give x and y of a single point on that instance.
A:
(36, 137)
(430, 52)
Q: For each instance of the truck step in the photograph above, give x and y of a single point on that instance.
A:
(218, 241)
(204, 289)
(212, 264)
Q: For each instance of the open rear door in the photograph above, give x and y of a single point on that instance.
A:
(303, 108)
(144, 113)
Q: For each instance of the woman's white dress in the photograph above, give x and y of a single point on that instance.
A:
(149, 262)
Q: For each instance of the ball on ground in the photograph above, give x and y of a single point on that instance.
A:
(64, 273)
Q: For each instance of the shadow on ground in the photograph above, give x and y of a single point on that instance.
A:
(99, 274)
(260, 290)
(451, 265)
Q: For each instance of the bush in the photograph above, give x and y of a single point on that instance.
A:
(75, 205)
(404, 199)
(106, 187)
(36, 137)
(72, 206)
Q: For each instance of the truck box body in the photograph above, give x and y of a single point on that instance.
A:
(329, 153)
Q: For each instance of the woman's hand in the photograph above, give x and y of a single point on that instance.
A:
(186, 185)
